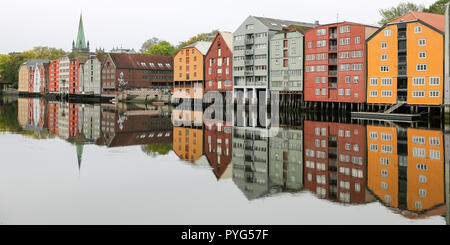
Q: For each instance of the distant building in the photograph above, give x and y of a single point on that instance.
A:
(80, 45)
(53, 76)
(121, 71)
(123, 51)
(27, 73)
(90, 75)
(63, 74)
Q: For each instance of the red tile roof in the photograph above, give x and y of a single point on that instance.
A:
(137, 61)
(435, 20)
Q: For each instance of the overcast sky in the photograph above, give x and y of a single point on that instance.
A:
(25, 24)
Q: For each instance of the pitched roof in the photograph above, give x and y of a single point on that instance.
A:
(141, 61)
(228, 38)
(278, 25)
(435, 20)
(34, 62)
(202, 46)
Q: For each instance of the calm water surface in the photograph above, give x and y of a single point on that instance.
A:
(70, 163)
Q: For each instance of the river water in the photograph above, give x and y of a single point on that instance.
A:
(72, 163)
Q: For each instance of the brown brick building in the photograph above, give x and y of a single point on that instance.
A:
(122, 71)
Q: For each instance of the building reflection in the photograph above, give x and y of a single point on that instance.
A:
(132, 125)
(102, 124)
(218, 147)
(406, 169)
(335, 162)
(188, 134)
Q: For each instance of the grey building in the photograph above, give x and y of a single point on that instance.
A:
(286, 159)
(250, 162)
(90, 75)
(286, 61)
(251, 66)
(90, 119)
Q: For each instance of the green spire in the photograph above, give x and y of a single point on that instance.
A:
(81, 41)
(79, 153)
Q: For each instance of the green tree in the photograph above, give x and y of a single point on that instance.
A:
(437, 8)
(10, 63)
(163, 48)
(157, 149)
(48, 53)
(401, 9)
(9, 67)
(200, 37)
(148, 43)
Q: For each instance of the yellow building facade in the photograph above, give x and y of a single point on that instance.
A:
(189, 71)
(24, 77)
(382, 164)
(406, 168)
(425, 169)
(405, 61)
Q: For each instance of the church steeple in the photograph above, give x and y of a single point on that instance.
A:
(80, 44)
(79, 153)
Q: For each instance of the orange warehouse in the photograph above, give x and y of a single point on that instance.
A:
(189, 72)
(405, 61)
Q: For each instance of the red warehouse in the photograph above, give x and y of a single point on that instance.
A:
(335, 60)
(219, 64)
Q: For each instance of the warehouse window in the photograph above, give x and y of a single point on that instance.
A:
(418, 93)
(435, 80)
(422, 67)
(418, 81)
(373, 81)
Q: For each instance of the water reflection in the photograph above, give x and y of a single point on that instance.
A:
(101, 124)
(403, 167)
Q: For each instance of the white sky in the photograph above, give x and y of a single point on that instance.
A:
(110, 23)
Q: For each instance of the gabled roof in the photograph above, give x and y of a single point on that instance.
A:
(202, 46)
(228, 38)
(278, 25)
(141, 61)
(35, 62)
(435, 20)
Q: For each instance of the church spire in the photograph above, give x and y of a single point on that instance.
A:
(80, 44)
(79, 154)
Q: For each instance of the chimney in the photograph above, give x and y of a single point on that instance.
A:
(316, 22)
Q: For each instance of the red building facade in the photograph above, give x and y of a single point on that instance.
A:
(335, 166)
(53, 73)
(335, 63)
(53, 117)
(218, 147)
(219, 64)
(74, 80)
